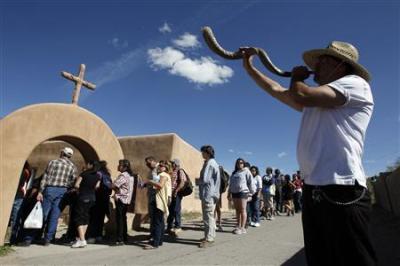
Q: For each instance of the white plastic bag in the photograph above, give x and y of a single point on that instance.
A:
(35, 218)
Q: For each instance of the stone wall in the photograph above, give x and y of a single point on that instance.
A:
(386, 190)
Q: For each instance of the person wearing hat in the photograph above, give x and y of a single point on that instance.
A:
(59, 176)
(335, 117)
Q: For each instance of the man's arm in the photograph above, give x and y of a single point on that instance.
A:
(322, 96)
(270, 86)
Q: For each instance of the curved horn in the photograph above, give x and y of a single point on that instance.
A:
(212, 43)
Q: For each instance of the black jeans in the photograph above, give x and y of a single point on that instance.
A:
(97, 215)
(336, 235)
(157, 225)
(120, 218)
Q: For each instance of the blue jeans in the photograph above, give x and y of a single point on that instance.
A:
(255, 209)
(175, 212)
(52, 197)
(157, 225)
(15, 219)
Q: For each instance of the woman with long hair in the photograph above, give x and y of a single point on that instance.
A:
(241, 187)
(101, 207)
(254, 204)
(123, 187)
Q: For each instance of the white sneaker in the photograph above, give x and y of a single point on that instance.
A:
(238, 231)
(244, 231)
(257, 225)
(252, 223)
(79, 244)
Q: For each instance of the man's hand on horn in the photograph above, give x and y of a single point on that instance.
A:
(300, 73)
(248, 53)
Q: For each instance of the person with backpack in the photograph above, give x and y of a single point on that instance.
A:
(101, 209)
(223, 186)
(179, 179)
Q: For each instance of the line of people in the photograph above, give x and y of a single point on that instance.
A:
(88, 196)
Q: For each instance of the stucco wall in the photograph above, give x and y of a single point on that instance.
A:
(162, 147)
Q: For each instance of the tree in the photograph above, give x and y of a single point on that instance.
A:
(394, 166)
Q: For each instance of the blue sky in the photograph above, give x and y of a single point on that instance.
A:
(156, 75)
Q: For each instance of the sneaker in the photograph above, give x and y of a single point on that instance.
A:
(252, 224)
(238, 231)
(219, 228)
(24, 244)
(91, 240)
(244, 231)
(256, 224)
(206, 244)
(272, 218)
(79, 244)
(46, 243)
(118, 243)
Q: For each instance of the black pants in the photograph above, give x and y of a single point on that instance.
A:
(97, 215)
(120, 218)
(157, 225)
(337, 235)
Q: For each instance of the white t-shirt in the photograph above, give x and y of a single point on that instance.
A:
(331, 140)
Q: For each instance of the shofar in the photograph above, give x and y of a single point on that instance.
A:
(212, 43)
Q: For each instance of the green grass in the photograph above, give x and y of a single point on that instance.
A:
(4, 250)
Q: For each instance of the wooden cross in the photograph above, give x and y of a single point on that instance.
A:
(79, 81)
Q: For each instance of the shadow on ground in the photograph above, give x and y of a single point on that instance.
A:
(298, 259)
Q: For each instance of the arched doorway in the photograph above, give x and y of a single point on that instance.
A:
(26, 128)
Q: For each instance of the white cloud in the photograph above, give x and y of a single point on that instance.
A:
(248, 153)
(186, 40)
(231, 150)
(202, 71)
(282, 154)
(165, 58)
(165, 28)
(118, 44)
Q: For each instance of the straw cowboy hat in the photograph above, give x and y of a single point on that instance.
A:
(341, 50)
